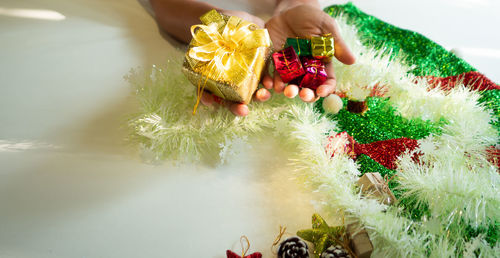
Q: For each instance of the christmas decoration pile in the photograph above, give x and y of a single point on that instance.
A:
(431, 119)
(341, 241)
(244, 249)
(301, 62)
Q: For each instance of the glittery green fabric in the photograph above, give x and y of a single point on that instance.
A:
(492, 232)
(428, 57)
(367, 165)
(381, 122)
(491, 99)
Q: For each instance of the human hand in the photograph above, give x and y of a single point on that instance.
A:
(305, 20)
(236, 108)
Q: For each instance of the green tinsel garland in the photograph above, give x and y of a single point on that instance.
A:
(409, 206)
(166, 128)
(491, 99)
(381, 122)
(428, 57)
(416, 211)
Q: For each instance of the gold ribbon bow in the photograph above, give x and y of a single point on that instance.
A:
(225, 50)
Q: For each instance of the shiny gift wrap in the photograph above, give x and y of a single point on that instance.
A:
(300, 45)
(315, 73)
(322, 46)
(288, 64)
(226, 56)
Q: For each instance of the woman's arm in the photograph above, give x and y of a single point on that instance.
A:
(283, 5)
(291, 18)
(177, 16)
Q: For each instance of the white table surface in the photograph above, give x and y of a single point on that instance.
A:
(70, 186)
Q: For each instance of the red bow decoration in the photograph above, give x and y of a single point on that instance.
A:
(231, 254)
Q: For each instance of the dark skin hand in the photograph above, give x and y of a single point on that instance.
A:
(306, 20)
(292, 18)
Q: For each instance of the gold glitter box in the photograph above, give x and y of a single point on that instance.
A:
(226, 56)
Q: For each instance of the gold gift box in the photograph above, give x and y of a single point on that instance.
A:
(226, 56)
(323, 46)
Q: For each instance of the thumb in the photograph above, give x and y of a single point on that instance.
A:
(342, 51)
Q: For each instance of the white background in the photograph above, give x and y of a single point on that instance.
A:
(70, 186)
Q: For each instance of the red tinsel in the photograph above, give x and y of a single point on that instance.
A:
(387, 152)
(384, 152)
(473, 80)
(493, 155)
(341, 143)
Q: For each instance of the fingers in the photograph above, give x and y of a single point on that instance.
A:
(291, 91)
(268, 82)
(307, 95)
(330, 85)
(207, 99)
(342, 51)
(262, 95)
(327, 88)
(238, 108)
(279, 85)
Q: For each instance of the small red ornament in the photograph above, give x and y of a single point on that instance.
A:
(243, 241)
(231, 254)
(315, 73)
(288, 64)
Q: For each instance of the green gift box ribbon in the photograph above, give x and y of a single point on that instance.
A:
(301, 46)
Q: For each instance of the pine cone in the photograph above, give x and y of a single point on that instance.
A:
(293, 247)
(335, 252)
